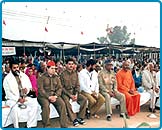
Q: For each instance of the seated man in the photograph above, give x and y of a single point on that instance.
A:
(71, 91)
(49, 91)
(17, 85)
(108, 88)
(126, 85)
(89, 86)
(150, 86)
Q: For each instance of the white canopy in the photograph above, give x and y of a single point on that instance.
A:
(79, 22)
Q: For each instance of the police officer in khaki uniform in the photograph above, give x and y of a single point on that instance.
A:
(49, 91)
(108, 88)
(71, 91)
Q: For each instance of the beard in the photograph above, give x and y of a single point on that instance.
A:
(91, 69)
(16, 73)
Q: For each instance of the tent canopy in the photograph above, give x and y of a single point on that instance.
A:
(79, 22)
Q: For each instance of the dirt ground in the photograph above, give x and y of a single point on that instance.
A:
(117, 122)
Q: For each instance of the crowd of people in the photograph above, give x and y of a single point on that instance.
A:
(34, 81)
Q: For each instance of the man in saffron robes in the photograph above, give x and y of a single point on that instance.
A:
(126, 85)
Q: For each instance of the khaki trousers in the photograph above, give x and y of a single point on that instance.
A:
(94, 104)
(120, 97)
(60, 107)
(82, 101)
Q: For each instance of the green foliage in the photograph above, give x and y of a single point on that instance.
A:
(102, 40)
(118, 35)
(132, 41)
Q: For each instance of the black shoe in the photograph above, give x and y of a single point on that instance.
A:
(126, 116)
(75, 122)
(157, 108)
(108, 118)
(152, 110)
(88, 114)
(81, 121)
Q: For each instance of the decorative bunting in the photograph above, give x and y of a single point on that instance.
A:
(4, 22)
(46, 29)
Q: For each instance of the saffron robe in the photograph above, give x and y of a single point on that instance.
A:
(125, 82)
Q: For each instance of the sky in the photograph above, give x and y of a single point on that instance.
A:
(80, 22)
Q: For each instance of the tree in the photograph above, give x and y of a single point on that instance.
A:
(117, 34)
(102, 40)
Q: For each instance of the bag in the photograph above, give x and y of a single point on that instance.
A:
(31, 94)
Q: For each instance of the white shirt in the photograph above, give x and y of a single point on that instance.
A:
(88, 81)
(158, 78)
(147, 79)
(11, 86)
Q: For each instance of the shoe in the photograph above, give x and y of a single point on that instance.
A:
(75, 123)
(157, 108)
(88, 114)
(81, 121)
(126, 116)
(152, 110)
(108, 118)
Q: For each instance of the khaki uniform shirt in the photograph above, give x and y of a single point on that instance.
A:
(49, 86)
(70, 82)
(107, 81)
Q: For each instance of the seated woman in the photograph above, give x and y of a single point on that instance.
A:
(33, 81)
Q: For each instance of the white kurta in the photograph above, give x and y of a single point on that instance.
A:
(148, 83)
(158, 84)
(12, 95)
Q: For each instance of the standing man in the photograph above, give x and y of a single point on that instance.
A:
(149, 84)
(49, 91)
(71, 91)
(89, 86)
(108, 88)
(17, 85)
(126, 85)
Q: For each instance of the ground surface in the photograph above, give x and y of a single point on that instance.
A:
(116, 122)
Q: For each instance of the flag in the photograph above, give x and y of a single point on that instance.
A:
(4, 22)
(46, 29)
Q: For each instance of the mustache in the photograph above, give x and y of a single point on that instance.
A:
(16, 73)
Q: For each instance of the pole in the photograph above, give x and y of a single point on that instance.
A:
(44, 49)
(109, 50)
(78, 52)
(62, 52)
(24, 47)
(94, 51)
(122, 52)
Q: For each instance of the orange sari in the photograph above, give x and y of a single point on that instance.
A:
(125, 82)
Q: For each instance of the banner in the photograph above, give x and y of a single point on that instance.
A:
(7, 51)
